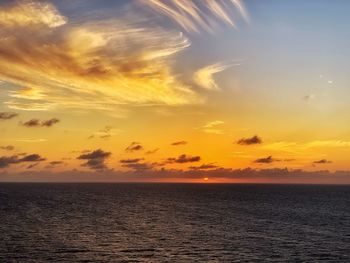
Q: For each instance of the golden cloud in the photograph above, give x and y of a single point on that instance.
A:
(98, 64)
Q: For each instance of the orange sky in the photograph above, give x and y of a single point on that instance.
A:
(173, 91)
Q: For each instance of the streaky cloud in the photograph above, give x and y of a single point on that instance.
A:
(197, 15)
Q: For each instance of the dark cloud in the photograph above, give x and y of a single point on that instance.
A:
(7, 115)
(250, 141)
(323, 161)
(32, 158)
(134, 146)
(204, 167)
(31, 123)
(32, 165)
(183, 158)
(139, 166)
(141, 173)
(7, 147)
(104, 133)
(179, 143)
(136, 160)
(6, 161)
(53, 164)
(152, 151)
(49, 123)
(56, 163)
(266, 160)
(95, 159)
(38, 123)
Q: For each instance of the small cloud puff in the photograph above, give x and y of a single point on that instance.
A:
(7, 115)
(179, 143)
(322, 161)
(134, 146)
(266, 160)
(38, 123)
(250, 141)
(183, 158)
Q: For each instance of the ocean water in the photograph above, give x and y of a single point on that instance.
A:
(174, 223)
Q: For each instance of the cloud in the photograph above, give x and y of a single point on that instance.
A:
(204, 167)
(6, 161)
(195, 15)
(95, 159)
(183, 158)
(322, 161)
(179, 143)
(7, 115)
(250, 141)
(204, 77)
(99, 64)
(266, 160)
(32, 123)
(38, 123)
(127, 161)
(32, 158)
(29, 13)
(134, 146)
(152, 151)
(104, 133)
(56, 162)
(212, 127)
(105, 64)
(7, 147)
(49, 123)
(32, 165)
(139, 166)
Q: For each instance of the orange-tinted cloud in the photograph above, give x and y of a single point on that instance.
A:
(250, 141)
(7, 115)
(95, 160)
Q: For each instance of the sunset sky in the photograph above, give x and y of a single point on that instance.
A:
(175, 91)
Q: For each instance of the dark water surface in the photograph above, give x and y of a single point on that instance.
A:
(174, 223)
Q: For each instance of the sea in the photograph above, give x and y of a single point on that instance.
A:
(174, 223)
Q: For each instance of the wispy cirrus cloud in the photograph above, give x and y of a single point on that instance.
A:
(195, 15)
(204, 77)
(213, 127)
(102, 64)
(98, 64)
(30, 13)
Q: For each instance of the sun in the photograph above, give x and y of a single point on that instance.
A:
(205, 179)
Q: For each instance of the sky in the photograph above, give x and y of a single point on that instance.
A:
(175, 91)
